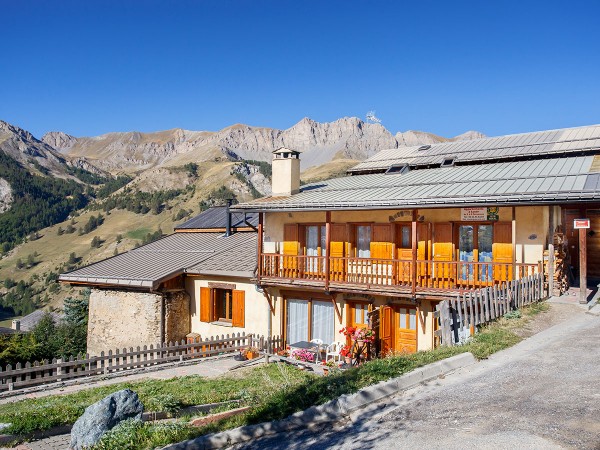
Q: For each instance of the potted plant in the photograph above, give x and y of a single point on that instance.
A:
(346, 353)
(251, 352)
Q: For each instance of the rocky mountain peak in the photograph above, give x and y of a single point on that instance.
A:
(59, 140)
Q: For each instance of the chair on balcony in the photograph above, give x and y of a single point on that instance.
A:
(333, 351)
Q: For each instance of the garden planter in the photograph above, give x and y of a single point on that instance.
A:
(348, 360)
(251, 355)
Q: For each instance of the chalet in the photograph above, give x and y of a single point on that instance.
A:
(412, 226)
(196, 282)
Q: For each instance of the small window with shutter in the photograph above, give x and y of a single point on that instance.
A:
(225, 306)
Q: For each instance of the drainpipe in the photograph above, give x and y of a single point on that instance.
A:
(228, 218)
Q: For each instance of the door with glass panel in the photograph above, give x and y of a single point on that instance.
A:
(315, 248)
(475, 245)
(405, 329)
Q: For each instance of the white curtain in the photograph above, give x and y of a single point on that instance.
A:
(364, 241)
(323, 321)
(297, 321)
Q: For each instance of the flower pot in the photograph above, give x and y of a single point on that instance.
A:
(251, 355)
(348, 360)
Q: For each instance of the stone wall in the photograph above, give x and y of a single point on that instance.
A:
(120, 319)
(177, 315)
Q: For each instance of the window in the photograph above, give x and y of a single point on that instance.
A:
(398, 169)
(363, 241)
(309, 319)
(407, 319)
(223, 304)
(361, 314)
(448, 162)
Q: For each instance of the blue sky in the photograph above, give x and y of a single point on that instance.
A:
(90, 67)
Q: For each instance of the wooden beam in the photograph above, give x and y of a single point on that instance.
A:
(337, 309)
(582, 266)
(514, 242)
(413, 268)
(259, 248)
(270, 301)
(327, 247)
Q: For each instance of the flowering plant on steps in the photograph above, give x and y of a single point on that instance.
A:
(303, 355)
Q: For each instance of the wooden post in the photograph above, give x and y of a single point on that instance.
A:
(327, 245)
(582, 266)
(413, 269)
(514, 243)
(259, 248)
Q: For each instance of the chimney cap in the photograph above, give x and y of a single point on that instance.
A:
(282, 150)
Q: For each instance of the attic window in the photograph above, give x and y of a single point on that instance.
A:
(398, 169)
(448, 162)
(424, 147)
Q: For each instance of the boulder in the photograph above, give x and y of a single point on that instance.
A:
(103, 416)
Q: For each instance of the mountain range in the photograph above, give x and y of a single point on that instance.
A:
(346, 138)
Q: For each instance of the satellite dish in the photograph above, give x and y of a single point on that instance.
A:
(371, 118)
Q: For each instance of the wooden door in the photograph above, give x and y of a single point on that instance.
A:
(593, 244)
(386, 329)
(572, 235)
(502, 251)
(443, 252)
(404, 251)
(423, 251)
(338, 248)
(405, 329)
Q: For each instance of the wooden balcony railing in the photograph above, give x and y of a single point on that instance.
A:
(375, 272)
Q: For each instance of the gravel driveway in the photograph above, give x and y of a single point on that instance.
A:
(541, 394)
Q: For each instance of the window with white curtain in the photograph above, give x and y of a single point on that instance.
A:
(322, 321)
(297, 321)
(363, 241)
(321, 317)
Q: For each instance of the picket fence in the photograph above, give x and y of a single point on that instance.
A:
(59, 370)
(460, 316)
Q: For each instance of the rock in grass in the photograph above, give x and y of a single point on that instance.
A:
(103, 416)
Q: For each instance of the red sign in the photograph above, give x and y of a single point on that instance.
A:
(581, 223)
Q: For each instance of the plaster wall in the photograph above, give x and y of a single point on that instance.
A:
(120, 319)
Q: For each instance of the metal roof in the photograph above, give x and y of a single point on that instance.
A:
(527, 145)
(149, 265)
(216, 218)
(537, 181)
(29, 322)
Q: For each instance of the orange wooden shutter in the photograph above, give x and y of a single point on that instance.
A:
(205, 305)
(502, 251)
(381, 242)
(239, 312)
(291, 246)
(443, 249)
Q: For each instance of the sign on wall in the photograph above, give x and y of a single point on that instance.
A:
(479, 214)
(581, 223)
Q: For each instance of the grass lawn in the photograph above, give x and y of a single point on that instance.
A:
(275, 391)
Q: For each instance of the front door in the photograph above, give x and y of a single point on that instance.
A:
(386, 329)
(405, 329)
(475, 245)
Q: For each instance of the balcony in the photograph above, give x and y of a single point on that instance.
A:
(387, 276)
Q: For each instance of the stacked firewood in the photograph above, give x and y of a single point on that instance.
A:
(561, 264)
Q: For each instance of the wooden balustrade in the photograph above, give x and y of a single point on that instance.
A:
(445, 275)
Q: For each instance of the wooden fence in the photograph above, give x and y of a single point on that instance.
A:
(58, 370)
(459, 317)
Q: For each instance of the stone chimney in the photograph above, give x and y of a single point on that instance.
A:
(16, 325)
(286, 172)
